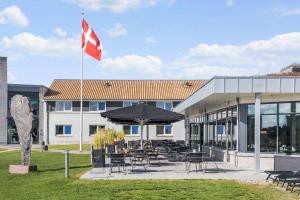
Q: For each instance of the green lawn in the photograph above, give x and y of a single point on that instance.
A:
(86, 147)
(1, 149)
(49, 183)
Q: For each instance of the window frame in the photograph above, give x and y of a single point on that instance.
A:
(97, 102)
(131, 134)
(164, 130)
(97, 125)
(64, 130)
(63, 106)
(164, 104)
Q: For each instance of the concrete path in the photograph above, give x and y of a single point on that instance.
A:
(171, 170)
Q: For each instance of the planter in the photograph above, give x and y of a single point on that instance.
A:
(110, 148)
(98, 158)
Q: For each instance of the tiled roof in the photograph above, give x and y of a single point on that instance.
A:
(123, 89)
(285, 74)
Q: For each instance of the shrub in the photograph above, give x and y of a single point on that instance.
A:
(99, 139)
(111, 135)
(120, 135)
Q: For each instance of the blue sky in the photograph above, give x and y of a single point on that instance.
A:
(149, 39)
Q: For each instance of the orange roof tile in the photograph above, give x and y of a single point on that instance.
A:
(123, 89)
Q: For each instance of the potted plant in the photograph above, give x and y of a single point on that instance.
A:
(120, 140)
(98, 149)
(110, 141)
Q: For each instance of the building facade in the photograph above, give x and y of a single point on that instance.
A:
(62, 107)
(8, 131)
(246, 120)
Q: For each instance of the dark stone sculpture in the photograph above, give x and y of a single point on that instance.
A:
(21, 112)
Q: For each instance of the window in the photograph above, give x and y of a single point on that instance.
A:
(93, 106)
(129, 103)
(164, 105)
(93, 128)
(164, 130)
(126, 130)
(102, 106)
(131, 130)
(63, 106)
(134, 129)
(63, 130)
(97, 106)
(35, 107)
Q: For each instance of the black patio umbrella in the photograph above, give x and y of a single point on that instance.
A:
(142, 114)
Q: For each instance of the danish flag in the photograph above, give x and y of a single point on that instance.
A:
(90, 42)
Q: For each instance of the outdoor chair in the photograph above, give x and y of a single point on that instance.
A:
(194, 158)
(272, 174)
(152, 155)
(139, 158)
(117, 160)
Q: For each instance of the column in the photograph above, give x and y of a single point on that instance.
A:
(3, 100)
(257, 132)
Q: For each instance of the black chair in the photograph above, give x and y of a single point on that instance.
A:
(138, 157)
(194, 158)
(117, 160)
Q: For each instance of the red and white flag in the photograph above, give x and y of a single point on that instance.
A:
(90, 42)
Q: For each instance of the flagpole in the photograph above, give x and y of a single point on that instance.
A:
(81, 95)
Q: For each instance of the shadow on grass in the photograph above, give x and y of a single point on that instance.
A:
(62, 168)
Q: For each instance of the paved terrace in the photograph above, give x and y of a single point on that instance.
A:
(176, 170)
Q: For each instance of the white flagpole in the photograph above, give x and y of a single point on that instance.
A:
(81, 96)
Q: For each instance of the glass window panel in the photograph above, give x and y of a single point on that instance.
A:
(250, 132)
(126, 103)
(68, 105)
(224, 114)
(102, 106)
(234, 112)
(35, 107)
(126, 130)
(268, 108)
(134, 129)
(134, 103)
(168, 105)
(159, 130)
(59, 105)
(59, 130)
(160, 104)
(268, 133)
(93, 129)
(168, 129)
(93, 106)
(68, 130)
(251, 109)
(298, 107)
(284, 107)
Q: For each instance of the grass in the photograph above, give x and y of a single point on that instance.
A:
(86, 147)
(1, 149)
(49, 183)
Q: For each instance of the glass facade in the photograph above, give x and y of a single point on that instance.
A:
(280, 127)
(12, 134)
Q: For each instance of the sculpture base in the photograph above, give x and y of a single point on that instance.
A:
(22, 169)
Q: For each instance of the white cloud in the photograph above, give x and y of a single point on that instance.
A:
(144, 65)
(118, 31)
(117, 6)
(150, 40)
(255, 57)
(29, 43)
(13, 15)
(60, 32)
(230, 2)
(291, 12)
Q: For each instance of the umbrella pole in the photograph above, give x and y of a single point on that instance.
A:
(142, 128)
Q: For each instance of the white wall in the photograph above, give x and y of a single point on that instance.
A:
(94, 118)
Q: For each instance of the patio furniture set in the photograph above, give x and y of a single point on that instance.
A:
(150, 155)
(289, 178)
